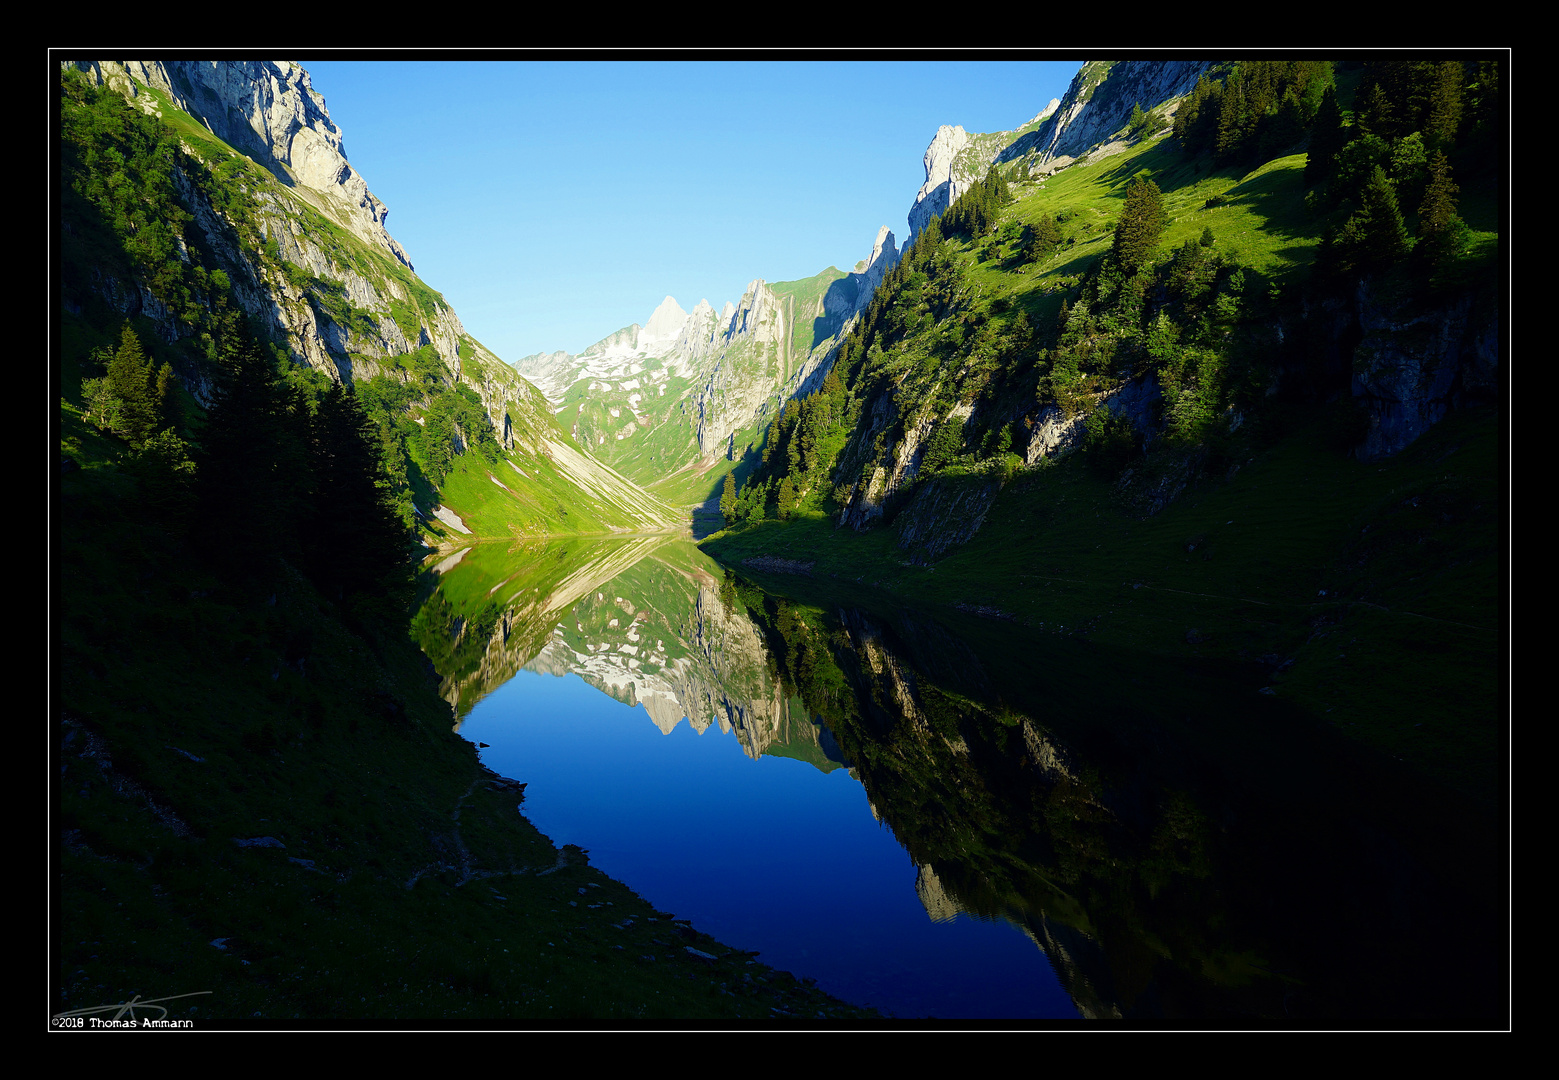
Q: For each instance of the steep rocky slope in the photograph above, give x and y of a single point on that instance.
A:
(1011, 333)
(1096, 107)
(277, 208)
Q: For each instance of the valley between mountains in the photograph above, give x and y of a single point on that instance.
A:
(1199, 376)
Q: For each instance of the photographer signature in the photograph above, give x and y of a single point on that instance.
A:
(130, 1006)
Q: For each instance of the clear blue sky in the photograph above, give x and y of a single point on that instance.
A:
(553, 202)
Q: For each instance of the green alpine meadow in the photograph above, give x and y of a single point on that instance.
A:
(1092, 607)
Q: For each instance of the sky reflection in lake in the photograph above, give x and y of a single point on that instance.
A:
(771, 855)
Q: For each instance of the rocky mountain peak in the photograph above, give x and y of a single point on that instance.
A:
(664, 327)
(943, 183)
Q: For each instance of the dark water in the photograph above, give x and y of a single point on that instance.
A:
(946, 817)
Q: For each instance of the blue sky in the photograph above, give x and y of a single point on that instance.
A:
(553, 202)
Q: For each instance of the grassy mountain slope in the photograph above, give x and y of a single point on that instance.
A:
(328, 303)
(1166, 459)
(259, 803)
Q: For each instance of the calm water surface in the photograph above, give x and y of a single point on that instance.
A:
(770, 855)
(943, 817)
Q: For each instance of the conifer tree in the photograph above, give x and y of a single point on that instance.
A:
(1234, 119)
(133, 383)
(1196, 121)
(253, 464)
(1377, 116)
(1327, 137)
(1140, 225)
(1485, 105)
(1375, 237)
(728, 500)
(1441, 234)
(1043, 238)
(787, 498)
(166, 398)
(1445, 104)
(356, 540)
(1140, 124)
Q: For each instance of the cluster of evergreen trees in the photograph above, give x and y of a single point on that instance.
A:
(1395, 151)
(285, 467)
(925, 295)
(134, 399)
(974, 213)
(286, 476)
(1261, 108)
(1385, 170)
(454, 420)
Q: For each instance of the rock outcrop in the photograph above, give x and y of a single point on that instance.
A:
(270, 111)
(1411, 366)
(943, 183)
(1099, 101)
(1096, 107)
(956, 159)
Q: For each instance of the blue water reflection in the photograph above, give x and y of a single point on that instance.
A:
(771, 855)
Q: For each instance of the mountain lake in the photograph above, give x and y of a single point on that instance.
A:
(951, 817)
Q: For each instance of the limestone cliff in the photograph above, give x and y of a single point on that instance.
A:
(1099, 101)
(276, 206)
(1412, 365)
(337, 306)
(1096, 107)
(335, 309)
(270, 111)
(956, 159)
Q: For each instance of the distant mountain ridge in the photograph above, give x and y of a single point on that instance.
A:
(687, 388)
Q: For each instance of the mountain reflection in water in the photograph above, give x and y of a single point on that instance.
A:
(1175, 844)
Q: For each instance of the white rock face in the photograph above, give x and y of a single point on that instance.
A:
(1094, 109)
(883, 258)
(940, 907)
(1052, 433)
(943, 184)
(663, 329)
(269, 110)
